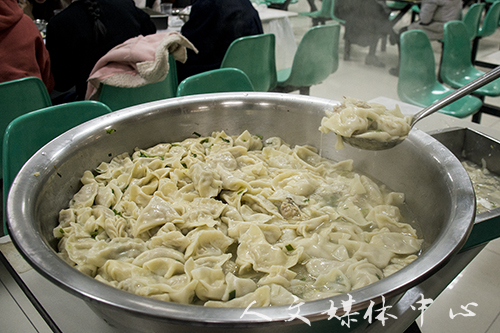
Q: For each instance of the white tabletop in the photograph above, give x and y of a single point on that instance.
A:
(268, 14)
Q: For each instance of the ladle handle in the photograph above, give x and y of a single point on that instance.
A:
(457, 94)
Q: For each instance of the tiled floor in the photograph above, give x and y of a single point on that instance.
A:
(479, 283)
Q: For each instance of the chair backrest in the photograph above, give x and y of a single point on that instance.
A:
(456, 55)
(417, 82)
(118, 98)
(317, 56)
(256, 56)
(417, 71)
(18, 97)
(490, 21)
(472, 19)
(326, 9)
(29, 132)
(217, 80)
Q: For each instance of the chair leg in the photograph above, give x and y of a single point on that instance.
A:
(440, 64)
(475, 44)
(347, 50)
(413, 16)
(304, 90)
(476, 118)
(312, 5)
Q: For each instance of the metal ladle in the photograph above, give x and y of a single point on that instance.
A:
(372, 144)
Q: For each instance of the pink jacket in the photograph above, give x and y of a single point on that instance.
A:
(137, 62)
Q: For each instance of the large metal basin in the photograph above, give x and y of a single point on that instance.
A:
(438, 192)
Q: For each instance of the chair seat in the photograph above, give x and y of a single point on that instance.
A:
(492, 89)
(315, 14)
(283, 75)
(462, 108)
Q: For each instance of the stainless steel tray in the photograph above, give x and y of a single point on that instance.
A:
(469, 144)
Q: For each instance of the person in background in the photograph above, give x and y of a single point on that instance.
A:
(434, 14)
(22, 51)
(85, 31)
(212, 26)
(366, 22)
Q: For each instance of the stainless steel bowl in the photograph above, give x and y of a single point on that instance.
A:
(437, 188)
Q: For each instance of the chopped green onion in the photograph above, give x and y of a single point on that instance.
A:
(110, 130)
(259, 136)
(117, 212)
(141, 154)
(240, 192)
(289, 247)
(197, 134)
(204, 140)
(93, 234)
(370, 119)
(232, 295)
(184, 165)
(224, 139)
(61, 230)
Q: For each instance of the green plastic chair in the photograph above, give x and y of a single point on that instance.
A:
(325, 13)
(395, 5)
(119, 98)
(472, 19)
(316, 58)
(214, 81)
(20, 96)
(456, 68)
(487, 28)
(21, 141)
(417, 82)
(256, 56)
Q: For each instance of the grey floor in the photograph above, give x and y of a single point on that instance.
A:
(479, 283)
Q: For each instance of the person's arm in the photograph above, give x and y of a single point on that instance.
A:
(427, 10)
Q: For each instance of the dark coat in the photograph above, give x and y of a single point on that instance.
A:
(71, 39)
(212, 26)
(366, 20)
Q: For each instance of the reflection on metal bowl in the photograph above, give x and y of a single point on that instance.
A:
(437, 190)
